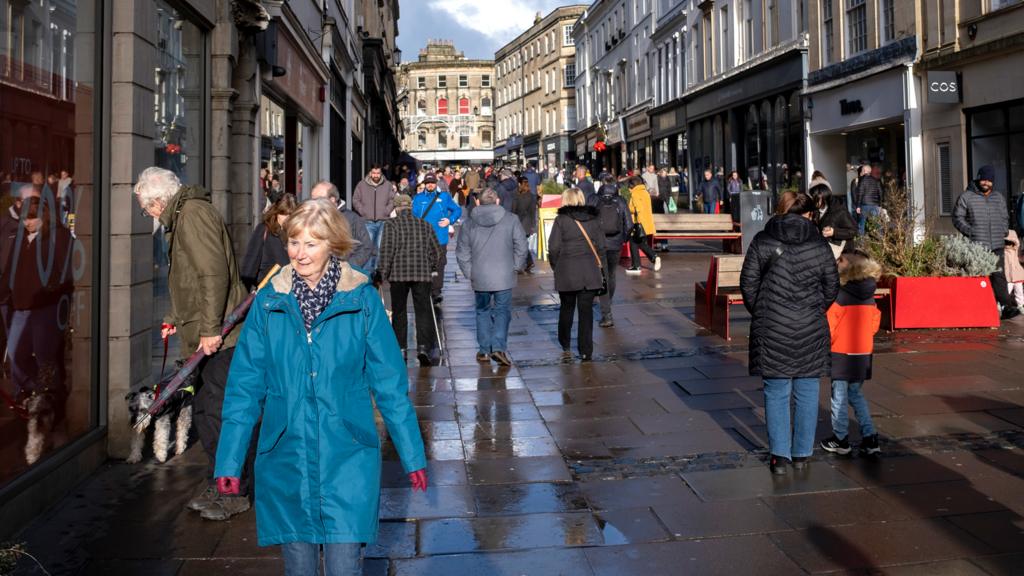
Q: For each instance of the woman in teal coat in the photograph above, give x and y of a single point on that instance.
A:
(316, 344)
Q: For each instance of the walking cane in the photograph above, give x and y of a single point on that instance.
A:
(437, 329)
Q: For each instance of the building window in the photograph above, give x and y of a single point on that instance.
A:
(827, 38)
(485, 106)
(442, 106)
(888, 10)
(485, 138)
(421, 107)
(748, 29)
(463, 106)
(856, 27)
(570, 75)
(421, 139)
(996, 137)
(999, 4)
(464, 141)
(421, 82)
(944, 178)
(463, 81)
(442, 139)
(442, 81)
(725, 51)
(485, 81)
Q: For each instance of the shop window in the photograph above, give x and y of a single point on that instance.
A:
(47, 159)
(442, 106)
(464, 106)
(944, 178)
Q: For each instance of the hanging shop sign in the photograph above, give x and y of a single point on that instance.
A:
(943, 87)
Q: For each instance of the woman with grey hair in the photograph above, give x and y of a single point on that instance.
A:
(316, 345)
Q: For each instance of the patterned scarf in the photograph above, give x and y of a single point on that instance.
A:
(312, 302)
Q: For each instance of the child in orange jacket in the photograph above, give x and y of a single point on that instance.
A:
(853, 320)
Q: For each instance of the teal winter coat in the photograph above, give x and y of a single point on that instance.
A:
(318, 456)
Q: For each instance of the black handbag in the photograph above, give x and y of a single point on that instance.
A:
(604, 274)
(637, 232)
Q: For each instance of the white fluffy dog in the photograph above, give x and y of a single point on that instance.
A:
(178, 408)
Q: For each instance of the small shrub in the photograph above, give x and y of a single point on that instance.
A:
(550, 187)
(966, 258)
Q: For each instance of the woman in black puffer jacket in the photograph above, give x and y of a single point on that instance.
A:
(577, 269)
(789, 280)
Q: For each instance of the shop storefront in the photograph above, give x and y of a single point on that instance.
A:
(50, 157)
(297, 98)
(861, 122)
(668, 131)
(638, 140)
(531, 149)
(752, 123)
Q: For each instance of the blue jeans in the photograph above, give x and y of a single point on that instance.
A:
(786, 439)
(35, 348)
(303, 559)
(709, 207)
(865, 213)
(492, 321)
(841, 392)
(374, 229)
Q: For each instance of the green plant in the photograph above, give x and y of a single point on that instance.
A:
(550, 187)
(966, 258)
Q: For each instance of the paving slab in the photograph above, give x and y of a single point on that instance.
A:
(834, 509)
(552, 562)
(721, 556)
(748, 483)
(532, 498)
(723, 518)
(529, 531)
(518, 470)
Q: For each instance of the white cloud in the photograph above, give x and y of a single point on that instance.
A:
(498, 20)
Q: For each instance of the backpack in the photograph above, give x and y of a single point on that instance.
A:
(608, 215)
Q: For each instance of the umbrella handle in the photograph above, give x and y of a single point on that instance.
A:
(268, 277)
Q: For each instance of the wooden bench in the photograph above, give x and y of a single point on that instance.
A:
(698, 227)
(714, 297)
(721, 290)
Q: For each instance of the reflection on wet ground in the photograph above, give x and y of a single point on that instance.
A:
(649, 461)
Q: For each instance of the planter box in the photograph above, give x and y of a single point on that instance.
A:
(946, 302)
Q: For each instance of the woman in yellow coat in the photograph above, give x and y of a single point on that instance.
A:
(643, 226)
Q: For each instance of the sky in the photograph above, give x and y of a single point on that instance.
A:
(478, 27)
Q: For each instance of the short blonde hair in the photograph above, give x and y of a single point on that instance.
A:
(573, 197)
(323, 221)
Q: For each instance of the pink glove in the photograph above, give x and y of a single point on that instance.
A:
(228, 485)
(418, 480)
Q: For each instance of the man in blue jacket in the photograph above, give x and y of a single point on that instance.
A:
(439, 210)
(533, 178)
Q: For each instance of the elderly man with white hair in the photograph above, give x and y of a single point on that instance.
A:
(364, 248)
(204, 288)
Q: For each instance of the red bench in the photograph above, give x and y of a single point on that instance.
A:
(714, 297)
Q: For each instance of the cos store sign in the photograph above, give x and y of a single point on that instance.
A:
(944, 87)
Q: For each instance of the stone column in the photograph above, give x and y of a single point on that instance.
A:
(131, 234)
(222, 96)
(244, 147)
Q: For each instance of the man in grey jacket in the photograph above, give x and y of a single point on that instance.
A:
(374, 200)
(490, 251)
(981, 214)
(364, 248)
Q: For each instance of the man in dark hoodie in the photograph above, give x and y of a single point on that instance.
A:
(585, 184)
(374, 200)
(491, 249)
(364, 248)
(508, 188)
(613, 214)
(204, 287)
(532, 177)
(981, 215)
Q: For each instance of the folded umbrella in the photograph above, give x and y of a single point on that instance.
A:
(190, 365)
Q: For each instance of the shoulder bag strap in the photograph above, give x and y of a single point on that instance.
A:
(591, 244)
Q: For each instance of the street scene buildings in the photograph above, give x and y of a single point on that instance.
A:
(447, 106)
(557, 437)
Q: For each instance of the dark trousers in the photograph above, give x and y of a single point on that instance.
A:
(582, 301)
(421, 304)
(437, 284)
(636, 247)
(998, 281)
(206, 414)
(611, 262)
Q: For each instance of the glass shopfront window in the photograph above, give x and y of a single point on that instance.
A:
(997, 139)
(48, 389)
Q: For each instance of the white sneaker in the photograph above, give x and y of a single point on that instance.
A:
(633, 271)
(657, 263)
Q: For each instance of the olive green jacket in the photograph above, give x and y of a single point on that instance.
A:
(202, 277)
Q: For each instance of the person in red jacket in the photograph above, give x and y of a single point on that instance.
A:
(853, 320)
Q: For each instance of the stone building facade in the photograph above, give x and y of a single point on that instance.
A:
(446, 102)
(536, 110)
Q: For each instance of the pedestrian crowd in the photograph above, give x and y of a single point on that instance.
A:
(286, 400)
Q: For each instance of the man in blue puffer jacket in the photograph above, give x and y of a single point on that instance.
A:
(440, 211)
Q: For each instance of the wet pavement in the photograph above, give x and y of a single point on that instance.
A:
(648, 461)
